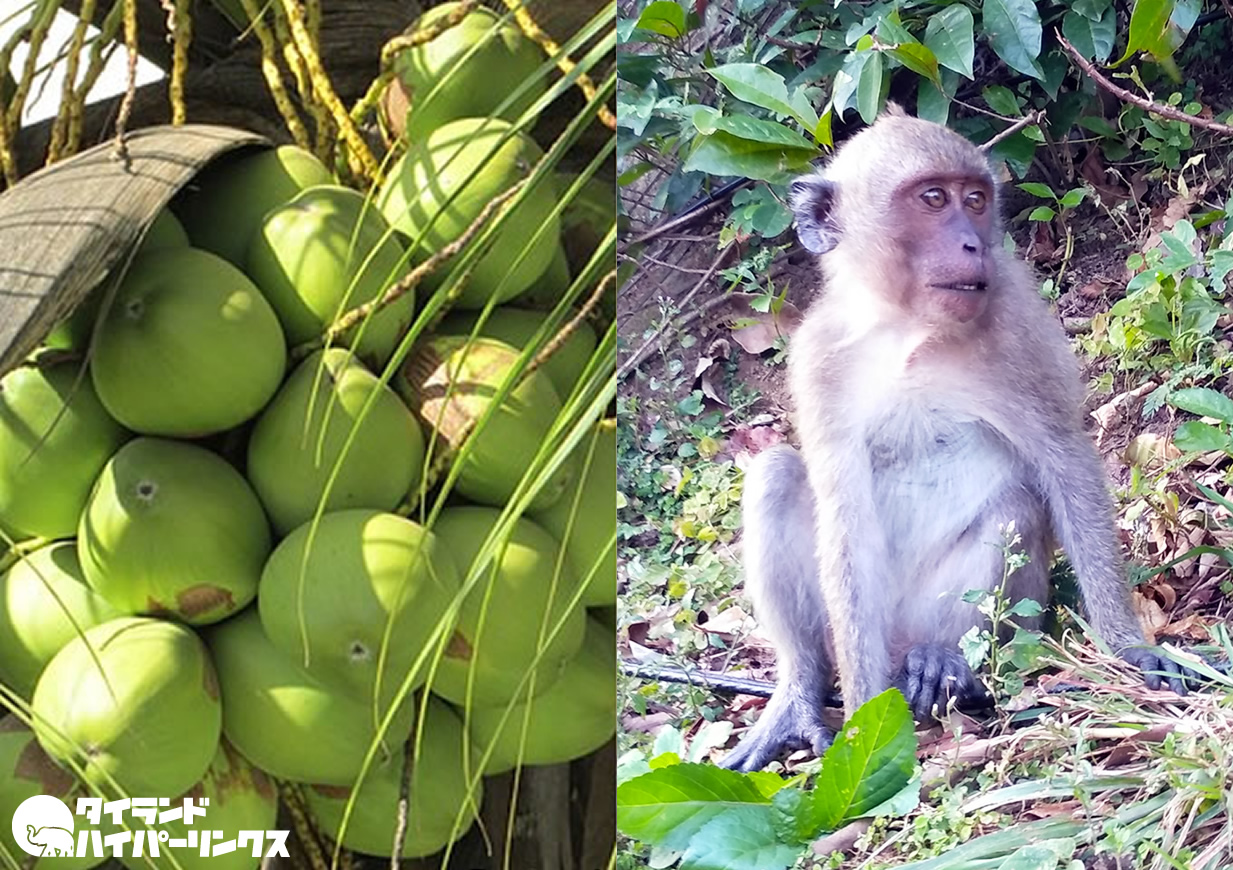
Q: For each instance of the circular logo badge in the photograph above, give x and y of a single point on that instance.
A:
(43, 825)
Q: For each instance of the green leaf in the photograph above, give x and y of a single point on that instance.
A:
(793, 815)
(869, 761)
(919, 59)
(664, 17)
(1149, 26)
(739, 839)
(763, 87)
(1014, 31)
(724, 154)
(843, 89)
(1205, 402)
(1002, 100)
(1037, 189)
(1026, 607)
(1199, 437)
(1042, 213)
(758, 130)
(1092, 38)
(1092, 9)
(1099, 126)
(1073, 197)
(949, 36)
(667, 807)
(931, 103)
(1047, 855)
(869, 89)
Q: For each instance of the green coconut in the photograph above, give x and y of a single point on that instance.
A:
(453, 75)
(573, 717)
(188, 347)
(223, 209)
(286, 721)
(589, 538)
(238, 797)
(588, 217)
(55, 437)
(74, 333)
(501, 452)
(172, 529)
(551, 286)
(414, 195)
(44, 603)
(134, 700)
(324, 253)
(26, 771)
(290, 463)
(366, 573)
(517, 327)
(524, 594)
(441, 809)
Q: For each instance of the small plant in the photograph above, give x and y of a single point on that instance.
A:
(1060, 209)
(1197, 436)
(980, 645)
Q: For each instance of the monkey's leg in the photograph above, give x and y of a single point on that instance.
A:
(781, 580)
(934, 671)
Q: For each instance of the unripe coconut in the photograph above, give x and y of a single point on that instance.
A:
(286, 721)
(172, 529)
(132, 699)
(223, 209)
(55, 437)
(441, 808)
(573, 717)
(440, 167)
(74, 333)
(324, 253)
(26, 771)
(240, 798)
(526, 596)
(589, 539)
(467, 71)
(501, 452)
(44, 601)
(369, 578)
(188, 347)
(588, 217)
(551, 286)
(290, 463)
(517, 327)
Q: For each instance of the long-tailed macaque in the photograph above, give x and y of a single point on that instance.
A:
(937, 400)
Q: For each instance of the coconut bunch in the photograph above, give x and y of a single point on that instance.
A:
(319, 488)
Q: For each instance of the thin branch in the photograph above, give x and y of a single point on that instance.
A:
(558, 341)
(1026, 121)
(1126, 96)
(651, 343)
(684, 220)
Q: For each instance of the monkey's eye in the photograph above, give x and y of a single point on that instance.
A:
(976, 200)
(934, 197)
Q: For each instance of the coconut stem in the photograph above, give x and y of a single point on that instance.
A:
(274, 77)
(297, 807)
(557, 341)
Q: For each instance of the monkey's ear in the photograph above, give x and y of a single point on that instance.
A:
(813, 200)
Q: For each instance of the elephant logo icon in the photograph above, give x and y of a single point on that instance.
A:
(43, 826)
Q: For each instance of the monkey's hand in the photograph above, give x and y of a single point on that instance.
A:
(933, 674)
(792, 720)
(1158, 669)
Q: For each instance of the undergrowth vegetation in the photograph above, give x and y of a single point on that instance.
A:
(1110, 124)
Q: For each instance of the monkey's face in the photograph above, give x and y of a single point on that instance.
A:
(944, 232)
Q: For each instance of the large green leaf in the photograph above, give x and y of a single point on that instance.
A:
(1149, 29)
(868, 763)
(1014, 31)
(919, 59)
(949, 36)
(1092, 39)
(763, 87)
(869, 88)
(1205, 402)
(664, 17)
(666, 807)
(722, 153)
(740, 839)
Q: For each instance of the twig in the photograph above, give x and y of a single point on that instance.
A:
(558, 341)
(130, 87)
(1026, 121)
(705, 679)
(1126, 96)
(647, 346)
(677, 222)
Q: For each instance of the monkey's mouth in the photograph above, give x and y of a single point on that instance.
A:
(964, 286)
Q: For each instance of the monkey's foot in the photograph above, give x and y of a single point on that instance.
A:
(1160, 670)
(791, 721)
(933, 674)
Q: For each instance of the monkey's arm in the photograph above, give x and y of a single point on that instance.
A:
(1082, 512)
